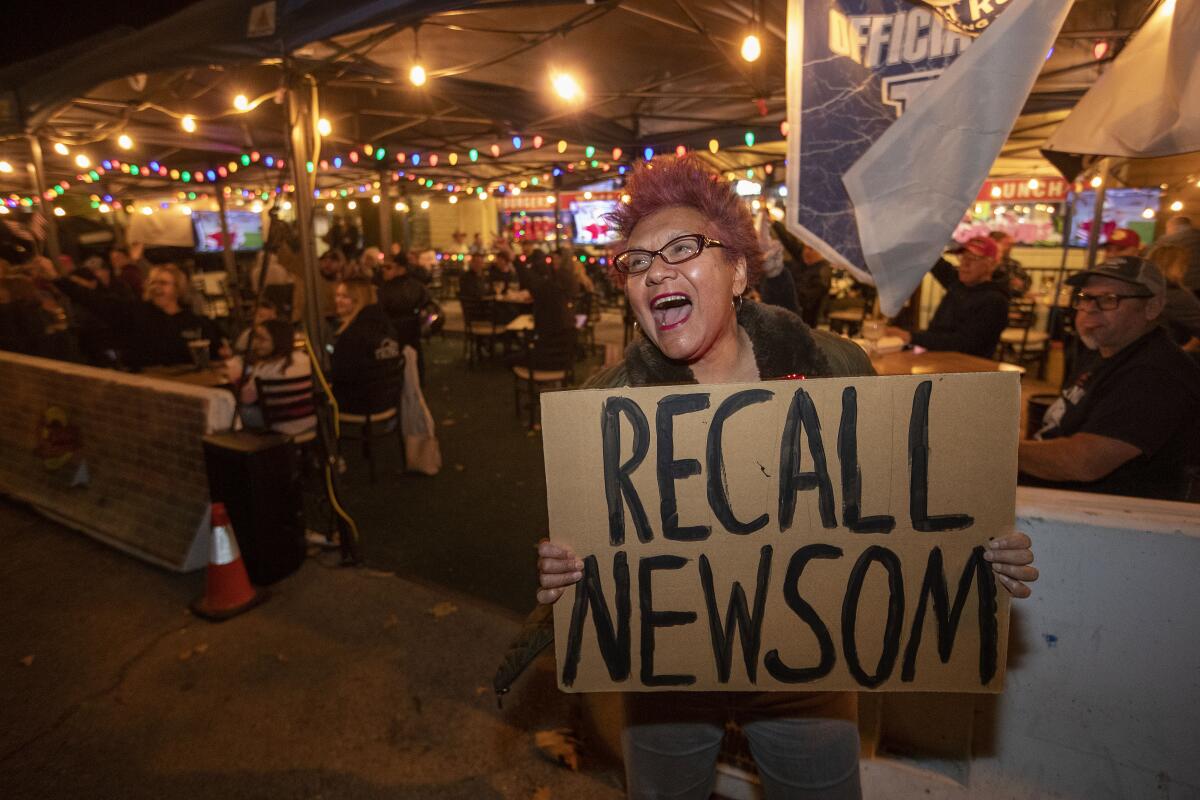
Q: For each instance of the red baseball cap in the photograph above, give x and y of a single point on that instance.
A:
(982, 246)
(1124, 239)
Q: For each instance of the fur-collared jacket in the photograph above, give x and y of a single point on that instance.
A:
(784, 347)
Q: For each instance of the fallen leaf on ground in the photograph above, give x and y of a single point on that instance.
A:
(27, 661)
(559, 745)
(541, 793)
(391, 622)
(443, 609)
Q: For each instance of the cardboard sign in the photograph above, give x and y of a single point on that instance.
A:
(783, 536)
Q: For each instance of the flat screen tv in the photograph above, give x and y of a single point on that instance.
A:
(245, 229)
(590, 225)
(1123, 208)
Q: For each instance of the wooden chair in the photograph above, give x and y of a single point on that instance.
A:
(546, 362)
(1020, 344)
(379, 414)
(480, 329)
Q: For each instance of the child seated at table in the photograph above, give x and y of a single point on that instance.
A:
(272, 356)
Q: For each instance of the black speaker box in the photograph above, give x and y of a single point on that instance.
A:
(255, 475)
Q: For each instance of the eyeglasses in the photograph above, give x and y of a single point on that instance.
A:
(1104, 302)
(678, 250)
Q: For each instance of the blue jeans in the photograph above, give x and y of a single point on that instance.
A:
(671, 741)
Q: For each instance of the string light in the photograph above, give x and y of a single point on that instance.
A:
(453, 159)
(82, 161)
(329, 206)
(751, 48)
(424, 205)
(125, 142)
(58, 212)
(241, 102)
(188, 123)
(749, 138)
(1097, 182)
(5, 166)
(417, 76)
(61, 149)
(453, 199)
(323, 127)
(1177, 206)
(352, 205)
(562, 145)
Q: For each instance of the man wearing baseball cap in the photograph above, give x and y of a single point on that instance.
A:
(1128, 421)
(1122, 242)
(974, 311)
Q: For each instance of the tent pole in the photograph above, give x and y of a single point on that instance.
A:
(38, 170)
(299, 129)
(385, 218)
(1098, 213)
(226, 250)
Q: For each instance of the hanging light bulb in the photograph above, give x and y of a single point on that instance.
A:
(537, 141)
(453, 159)
(495, 150)
(453, 199)
(188, 123)
(751, 48)
(241, 103)
(424, 205)
(323, 127)
(82, 161)
(417, 76)
(1097, 182)
(562, 145)
(124, 142)
(61, 149)
(566, 86)
(5, 167)
(59, 212)
(749, 138)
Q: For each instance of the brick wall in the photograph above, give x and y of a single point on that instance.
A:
(146, 489)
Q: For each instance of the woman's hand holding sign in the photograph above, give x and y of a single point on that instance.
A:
(558, 568)
(1012, 561)
(1011, 557)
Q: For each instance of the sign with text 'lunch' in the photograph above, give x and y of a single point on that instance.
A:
(784, 536)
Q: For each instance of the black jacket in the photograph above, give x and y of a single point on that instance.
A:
(363, 354)
(155, 338)
(402, 299)
(969, 319)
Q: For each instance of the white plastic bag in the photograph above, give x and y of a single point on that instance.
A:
(421, 451)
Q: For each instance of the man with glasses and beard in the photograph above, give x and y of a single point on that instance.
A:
(1128, 421)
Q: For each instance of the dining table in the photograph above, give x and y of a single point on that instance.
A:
(213, 376)
(934, 362)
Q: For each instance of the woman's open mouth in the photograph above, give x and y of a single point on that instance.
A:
(671, 310)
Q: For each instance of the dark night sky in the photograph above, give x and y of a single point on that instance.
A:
(38, 26)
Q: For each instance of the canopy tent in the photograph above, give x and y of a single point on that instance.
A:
(654, 73)
(1119, 117)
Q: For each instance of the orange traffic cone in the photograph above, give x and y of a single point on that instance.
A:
(227, 589)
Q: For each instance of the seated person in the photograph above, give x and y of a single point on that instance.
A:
(402, 297)
(1128, 421)
(473, 284)
(502, 271)
(974, 311)
(265, 310)
(553, 286)
(272, 355)
(162, 327)
(365, 348)
(1182, 312)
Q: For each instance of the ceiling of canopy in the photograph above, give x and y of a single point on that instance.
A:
(651, 73)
